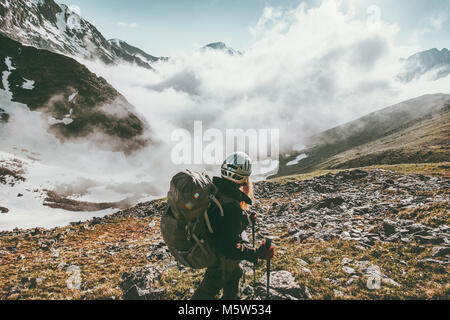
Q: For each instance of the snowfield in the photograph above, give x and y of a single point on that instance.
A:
(73, 170)
(24, 199)
(299, 87)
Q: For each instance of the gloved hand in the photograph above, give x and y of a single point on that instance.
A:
(251, 217)
(265, 253)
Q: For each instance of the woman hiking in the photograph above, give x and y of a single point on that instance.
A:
(235, 193)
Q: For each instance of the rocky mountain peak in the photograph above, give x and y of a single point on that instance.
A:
(423, 62)
(45, 24)
(75, 101)
(221, 46)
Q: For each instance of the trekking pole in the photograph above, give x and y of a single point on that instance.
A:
(254, 263)
(268, 245)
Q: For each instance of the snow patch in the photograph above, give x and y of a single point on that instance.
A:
(28, 84)
(72, 96)
(297, 160)
(5, 82)
(9, 64)
(5, 76)
(66, 120)
(61, 21)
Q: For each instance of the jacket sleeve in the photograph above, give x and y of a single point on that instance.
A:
(227, 232)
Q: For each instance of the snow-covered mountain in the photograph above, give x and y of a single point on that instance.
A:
(220, 46)
(48, 25)
(64, 132)
(435, 61)
(74, 101)
(122, 46)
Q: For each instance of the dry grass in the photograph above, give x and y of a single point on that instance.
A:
(402, 263)
(89, 247)
(29, 263)
(432, 215)
(438, 169)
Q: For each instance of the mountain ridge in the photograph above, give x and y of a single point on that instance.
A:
(48, 25)
(135, 51)
(411, 131)
(221, 46)
(420, 63)
(62, 88)
(333, 233)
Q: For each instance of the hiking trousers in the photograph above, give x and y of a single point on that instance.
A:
(226, 275)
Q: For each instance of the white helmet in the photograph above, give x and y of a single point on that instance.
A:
(237, 167)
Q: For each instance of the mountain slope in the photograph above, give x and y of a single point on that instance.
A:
(333, 234)
(76, 102)
(426, 61)
(47, 25)
(220, 46)
(413, 131)
(140, 55)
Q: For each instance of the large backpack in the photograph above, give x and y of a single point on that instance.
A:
(185, 224)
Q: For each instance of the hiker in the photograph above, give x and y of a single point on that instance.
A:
(234, 195)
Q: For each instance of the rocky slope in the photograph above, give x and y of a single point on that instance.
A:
(413, 131)
(74, 101)
(370, 233)
(48, 25)
(140, 55)
(220, 46)
(431, 60)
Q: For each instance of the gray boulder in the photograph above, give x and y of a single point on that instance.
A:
(283, 286)
(142, 284)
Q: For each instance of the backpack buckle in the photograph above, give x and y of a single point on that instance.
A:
(188, 233)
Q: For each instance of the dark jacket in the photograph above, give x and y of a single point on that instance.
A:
(227, 229)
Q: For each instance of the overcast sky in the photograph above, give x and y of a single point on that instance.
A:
(166, 27)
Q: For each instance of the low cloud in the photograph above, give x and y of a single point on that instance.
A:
(308, 69)
(300, 75)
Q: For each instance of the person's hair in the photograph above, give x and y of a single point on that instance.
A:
(246, 188)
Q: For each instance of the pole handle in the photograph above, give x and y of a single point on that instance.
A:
(269, 242)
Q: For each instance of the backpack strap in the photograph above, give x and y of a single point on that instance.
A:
(208, 223)
(191, 235)
(214, 199)
(200, 244)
